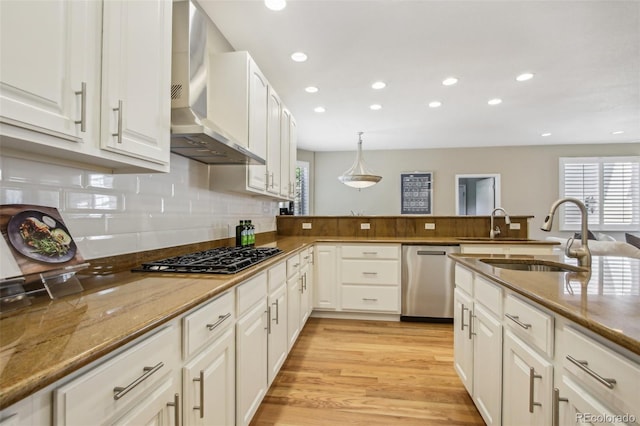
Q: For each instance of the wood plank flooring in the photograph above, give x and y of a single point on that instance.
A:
(352, 372)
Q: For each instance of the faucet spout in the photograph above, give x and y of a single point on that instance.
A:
(507, 220)
(583, 254)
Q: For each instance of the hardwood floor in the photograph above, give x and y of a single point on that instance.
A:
(346, 372)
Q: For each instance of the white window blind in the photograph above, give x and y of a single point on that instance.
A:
(608, 186)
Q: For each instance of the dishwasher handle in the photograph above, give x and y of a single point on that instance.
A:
(431, 252)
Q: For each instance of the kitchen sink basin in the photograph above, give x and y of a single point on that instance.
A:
(532, 265)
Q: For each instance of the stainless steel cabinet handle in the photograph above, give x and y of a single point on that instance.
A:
(176, 404)
(83, 107)
(119, 392)
(201, 406)
(273, 180)
(268, 311)
(555, 408)
(296, 265)
(304, 281)
(369, 273)
(516, 319)
(220, 320)
(462, 309)
(532, 377)
(276, 319)
(367, 299)
(369, 252)
(471, 317)
(583, 365)
(306, 257)
(119, 133)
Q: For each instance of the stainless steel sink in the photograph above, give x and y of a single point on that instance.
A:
(532, 265)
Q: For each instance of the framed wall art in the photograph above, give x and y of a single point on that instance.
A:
(416, 192)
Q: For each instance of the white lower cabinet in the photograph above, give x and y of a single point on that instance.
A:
(477, 342)
(251, 348)
(161, 407)
(306, 285)
(134, 384)
(208, 375)
(462, 338)
(209, 384)
(325, 290)
(277, 326)
(487, 364)
(527, 384)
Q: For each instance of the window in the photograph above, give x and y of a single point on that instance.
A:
(301, 200)
(609, 187)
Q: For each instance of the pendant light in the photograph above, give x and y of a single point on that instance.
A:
(358, 176)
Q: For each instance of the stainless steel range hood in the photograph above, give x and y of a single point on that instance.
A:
(193, 133)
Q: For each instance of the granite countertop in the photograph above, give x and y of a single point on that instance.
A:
(50, 339)
(605, 301)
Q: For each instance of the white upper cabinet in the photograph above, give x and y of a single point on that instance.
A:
(273, 142)
(248, 110)
(136, 75)
(67, 66)
(50, 54)
(285, 158)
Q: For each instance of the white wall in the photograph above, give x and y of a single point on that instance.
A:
(117, 214)
(529, 177)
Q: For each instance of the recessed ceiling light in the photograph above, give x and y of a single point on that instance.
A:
(449, 81)
(617, 132)
(319, 109)
(524, 76)
(494, 101)
(275, 4)
(311, 89)
(375, 107)
(299, 57)
(544, 135)
(435, 104)
(379, 85)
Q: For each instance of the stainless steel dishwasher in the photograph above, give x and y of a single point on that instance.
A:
(427, 283)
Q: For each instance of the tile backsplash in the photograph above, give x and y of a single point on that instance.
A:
(111, 214)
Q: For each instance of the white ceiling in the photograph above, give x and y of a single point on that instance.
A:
(585, 56)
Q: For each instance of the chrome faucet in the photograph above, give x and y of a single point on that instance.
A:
(583, 254)
(507, 220)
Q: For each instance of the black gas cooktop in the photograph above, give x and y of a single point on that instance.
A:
(220, 260)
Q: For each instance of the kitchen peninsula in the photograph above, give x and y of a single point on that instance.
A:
(48, 344)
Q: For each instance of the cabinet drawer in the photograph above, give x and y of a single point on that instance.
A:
(489, 294)
(530, 323)
(370, 298)
(370, 272)
(205, 324)
(91, 398)
(376, 251)
(598, 360)
(293, 265)
(464, 279)
(305, 256)
(251, 292)
(277, 276)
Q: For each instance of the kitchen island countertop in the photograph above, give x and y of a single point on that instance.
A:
(605, 301)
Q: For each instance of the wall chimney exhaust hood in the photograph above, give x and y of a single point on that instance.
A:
(193, 134)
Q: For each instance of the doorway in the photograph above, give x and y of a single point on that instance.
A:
(477, 194)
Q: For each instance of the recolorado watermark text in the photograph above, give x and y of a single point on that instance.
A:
(605, 418)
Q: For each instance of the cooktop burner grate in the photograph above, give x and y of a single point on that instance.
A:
(220, 260)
